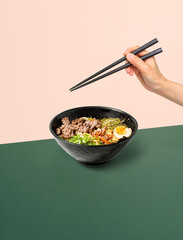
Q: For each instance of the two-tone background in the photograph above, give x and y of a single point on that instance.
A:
(46, 47)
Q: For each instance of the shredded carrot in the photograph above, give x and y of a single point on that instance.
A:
(104, 140)
(108, 136)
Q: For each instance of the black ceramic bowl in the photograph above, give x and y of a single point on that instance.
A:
(89, 154)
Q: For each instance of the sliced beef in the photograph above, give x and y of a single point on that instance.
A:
(95, 123)
(83, 129)
(75, 121)
(67, 132)
(79, 124)
(66, 121)
(76, 124)
(58, 131)
(74, 127)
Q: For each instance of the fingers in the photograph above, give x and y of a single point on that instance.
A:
(140, 54)
(131, 49)
(127, 69)
(130, 70)
(137, 62)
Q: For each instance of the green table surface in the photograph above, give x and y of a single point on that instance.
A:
(46, 194)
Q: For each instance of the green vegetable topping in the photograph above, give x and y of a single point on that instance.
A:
(85, 139)
(111, 123)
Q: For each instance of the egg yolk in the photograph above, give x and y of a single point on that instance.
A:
(121, 130)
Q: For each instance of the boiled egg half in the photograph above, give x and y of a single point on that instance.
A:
(122, 131)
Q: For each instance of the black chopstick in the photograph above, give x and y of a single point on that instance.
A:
(151, 54)
(140, 49)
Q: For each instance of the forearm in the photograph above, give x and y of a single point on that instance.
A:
(172, 91)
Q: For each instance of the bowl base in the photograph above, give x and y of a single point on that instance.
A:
(93, 164)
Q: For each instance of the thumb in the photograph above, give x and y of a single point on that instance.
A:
(137, 62)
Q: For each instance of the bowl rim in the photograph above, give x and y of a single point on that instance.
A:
(99, 107)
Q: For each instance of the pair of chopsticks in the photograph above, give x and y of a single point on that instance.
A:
(138, 50)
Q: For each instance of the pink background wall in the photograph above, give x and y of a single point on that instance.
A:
(48, 46)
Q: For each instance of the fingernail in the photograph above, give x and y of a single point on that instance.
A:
(129, 56)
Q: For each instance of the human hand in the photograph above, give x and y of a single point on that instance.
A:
(147, 71)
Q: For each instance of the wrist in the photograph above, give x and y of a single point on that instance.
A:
(161, 85)
(171, 90)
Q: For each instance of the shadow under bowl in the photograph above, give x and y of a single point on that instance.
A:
(90, 154)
